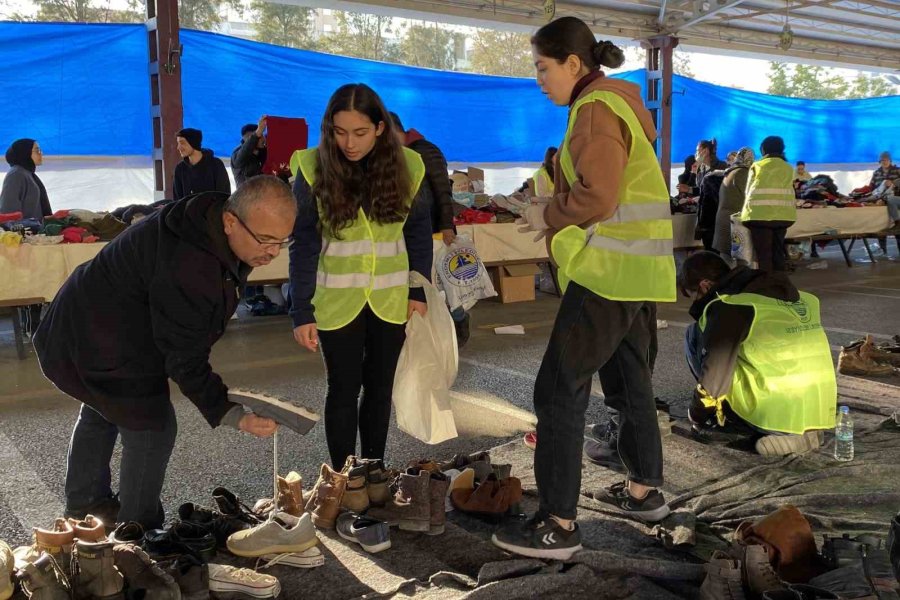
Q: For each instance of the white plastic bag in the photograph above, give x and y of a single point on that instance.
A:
(426, 370)
(741, 244)
(461, 274)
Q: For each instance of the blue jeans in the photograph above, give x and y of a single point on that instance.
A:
(145, 457)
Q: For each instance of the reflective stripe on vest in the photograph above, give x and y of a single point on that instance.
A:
(784, 375)
(629, 256)
(368, 265)
(770, 192)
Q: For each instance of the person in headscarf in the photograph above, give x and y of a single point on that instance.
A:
(23, 191)
(731, 200)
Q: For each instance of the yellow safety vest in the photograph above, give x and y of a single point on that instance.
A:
(784, 377)
(368, 265)
(770, 192)
(629, 256)
(543, 184)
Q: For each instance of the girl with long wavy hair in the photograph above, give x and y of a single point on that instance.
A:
(363, 225)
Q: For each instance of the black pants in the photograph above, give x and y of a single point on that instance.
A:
(768, 242)
(362, 354)
(594, 335)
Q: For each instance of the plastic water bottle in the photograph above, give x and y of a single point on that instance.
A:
(843, 435)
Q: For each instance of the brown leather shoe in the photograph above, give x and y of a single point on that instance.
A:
(325, 500)
(411, 507)
(438, 491)
(493, 497)
(57, 541)
(869, 351)
(852, 362)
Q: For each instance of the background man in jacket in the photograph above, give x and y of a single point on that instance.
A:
(148, 309)
(200, 171)
(248, 159)
(760, 356)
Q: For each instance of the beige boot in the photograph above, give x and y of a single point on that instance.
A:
(851, 362)
(356, 495)
(411, 506)
(89, 529)
(782, 445)
(96, 576)
(869, 351)
(57, 541)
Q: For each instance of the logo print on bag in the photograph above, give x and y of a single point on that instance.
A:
(799, 308)
(461, 264)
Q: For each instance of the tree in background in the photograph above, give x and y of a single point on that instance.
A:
(427, 45)
(283, 24)
(815, 82)
(502, 53)
(205, 15)
(77, 11)
(362, 36)
(681, 64)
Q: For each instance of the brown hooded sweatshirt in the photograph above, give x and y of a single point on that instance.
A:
(599, 148)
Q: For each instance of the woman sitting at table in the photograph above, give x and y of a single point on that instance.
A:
(23, 191)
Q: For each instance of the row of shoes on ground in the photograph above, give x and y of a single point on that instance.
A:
(109, 571)
(745, 572)
(864, 357)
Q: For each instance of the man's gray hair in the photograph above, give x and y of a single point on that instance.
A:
(262, 188)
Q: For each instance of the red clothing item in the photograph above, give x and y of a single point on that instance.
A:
(413, 136)
(284, 136)
(7, 217)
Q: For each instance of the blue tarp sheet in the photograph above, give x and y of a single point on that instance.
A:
(83, 89)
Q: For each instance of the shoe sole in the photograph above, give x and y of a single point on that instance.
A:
(277, 549)
(371, 549)
(221, 587)
(557, 554)
(410, 525)
(650, 516)
(435, 530)
(777, 445)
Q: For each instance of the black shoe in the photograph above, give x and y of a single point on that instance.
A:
(651, 509)
(893, 545)
(538, 538)
(604, 454)
(462, 331)
(179, 540)
(128, 533)
(602, 432)
(105, 509)
(219, 525)
(230, 506)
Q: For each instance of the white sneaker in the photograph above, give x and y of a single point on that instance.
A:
(308, 559)
(283, 534)
(225, 578)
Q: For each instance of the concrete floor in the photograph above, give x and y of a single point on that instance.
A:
(492, 395)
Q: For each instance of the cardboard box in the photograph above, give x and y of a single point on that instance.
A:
(514, 283)
(475, 174)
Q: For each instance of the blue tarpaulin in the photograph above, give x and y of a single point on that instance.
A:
(83, 89)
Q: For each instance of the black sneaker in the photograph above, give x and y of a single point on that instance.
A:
(602, 432)
(462, 331)
(651, 509)
(219, 525)
(538, 537)
(604, 454)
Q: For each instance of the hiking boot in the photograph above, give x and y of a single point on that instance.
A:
(782, 445)
(43, 580)
(356, 496)
(492, 498)
(95, 574)
(144, 577)
(377, 483)
(57, 541)
(893, 545)
(604, 454)
(308, 559)
(284, 533)
(290, 497)
(7, 568)
(324, 502)
(373, 535)
(538, 537)
(131, 532)
(438, 487)
(410, 508)
(89, 529)
(723, 579)
(226, 581)
(105, 509)
(191, 575)
(758, 573)
(869, 351)
(850, 362)
(462, 330)
(651, 509)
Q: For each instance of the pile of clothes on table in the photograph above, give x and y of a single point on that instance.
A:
(821, 191)
(62, 227)
(471, 206)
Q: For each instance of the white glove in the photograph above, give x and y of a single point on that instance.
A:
(532, 218)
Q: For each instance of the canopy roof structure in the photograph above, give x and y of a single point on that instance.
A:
(851, 33)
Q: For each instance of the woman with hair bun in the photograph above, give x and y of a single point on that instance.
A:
(611, 236)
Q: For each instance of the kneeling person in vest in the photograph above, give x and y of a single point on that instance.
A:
(760, 356)
(364, 223)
